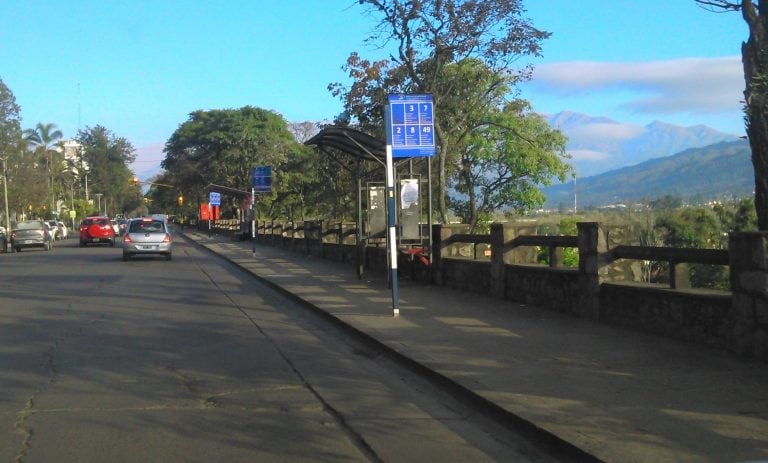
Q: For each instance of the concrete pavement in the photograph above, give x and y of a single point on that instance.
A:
(617, 395)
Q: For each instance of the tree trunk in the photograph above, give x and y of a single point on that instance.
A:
(441, 174)
(755, 63)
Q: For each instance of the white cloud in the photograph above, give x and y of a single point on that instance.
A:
(588, 155)
(607, 131)
(689, 85)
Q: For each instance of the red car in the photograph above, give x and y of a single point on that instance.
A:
(96, 230)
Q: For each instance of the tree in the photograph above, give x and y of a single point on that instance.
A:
(42, 140)
(107, 157)
(505, 160)
(222, 147)
(754, 56)
(10, 135)
(430, 36)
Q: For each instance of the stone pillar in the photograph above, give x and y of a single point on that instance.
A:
(292, 233)
(556, 258)
(593, 249)
(679, 275)
(307, 236)
(501, 255)
(440, 236)
(748, 259)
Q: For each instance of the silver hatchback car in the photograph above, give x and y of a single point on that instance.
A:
(147, 236)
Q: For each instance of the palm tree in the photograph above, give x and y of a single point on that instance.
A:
(42, 140)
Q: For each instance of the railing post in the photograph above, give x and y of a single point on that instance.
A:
(593, 248)
(500, 257)
(440, 235)
(748, 260)
(679, 275)
(555, 256)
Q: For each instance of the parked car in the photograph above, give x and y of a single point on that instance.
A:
(122, 223)
(63, 230)
(58, 229)
(96, 229)
(3, 240)
(54, 229)
(147, 236)
(31, 234)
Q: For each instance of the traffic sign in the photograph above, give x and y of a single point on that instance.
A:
(214, 198)
(262, 179)
(410, 125)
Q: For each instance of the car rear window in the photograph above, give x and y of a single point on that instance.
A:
(102, 222)
(29, 225)
(140, 226)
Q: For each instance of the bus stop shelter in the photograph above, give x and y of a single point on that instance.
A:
(365, 157)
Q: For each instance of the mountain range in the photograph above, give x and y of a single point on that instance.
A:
(615, 162)
(600, 144)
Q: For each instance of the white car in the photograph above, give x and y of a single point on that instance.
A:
(58, 229)
(63, 230)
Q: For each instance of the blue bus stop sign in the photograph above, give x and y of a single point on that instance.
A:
(410, 125)
(214, 198)
(262, 179)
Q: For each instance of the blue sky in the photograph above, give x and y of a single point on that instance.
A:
(140, 67)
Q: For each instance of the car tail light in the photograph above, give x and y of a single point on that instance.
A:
(127, 239)
(167, 238)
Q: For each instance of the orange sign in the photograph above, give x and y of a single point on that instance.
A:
(205, 211)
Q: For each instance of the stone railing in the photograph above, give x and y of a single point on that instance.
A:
(602, 288)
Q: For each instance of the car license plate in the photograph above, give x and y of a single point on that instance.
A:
(97, 240)
(147, 247)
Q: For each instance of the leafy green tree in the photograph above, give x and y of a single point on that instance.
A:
(666, 203)
(42, 140)
(222, 146)
(737, 217)
(696, 228)
(108, 157)
(566, 226)
(429, 37)
(754, 56)
(10, 136)
(302, 182)
(504, 161)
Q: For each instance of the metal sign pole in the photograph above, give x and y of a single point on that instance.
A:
(391, 233)
(253, 222)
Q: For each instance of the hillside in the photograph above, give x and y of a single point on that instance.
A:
(719, 171)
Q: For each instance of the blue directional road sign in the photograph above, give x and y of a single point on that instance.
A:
(410, 125)
(214, 198)
(262, 179)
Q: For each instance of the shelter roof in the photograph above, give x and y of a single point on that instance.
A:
(227, 190)
(350, 141)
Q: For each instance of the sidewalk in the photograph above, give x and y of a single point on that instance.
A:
(618, 395)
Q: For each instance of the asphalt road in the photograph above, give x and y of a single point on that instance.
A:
(194, 360)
